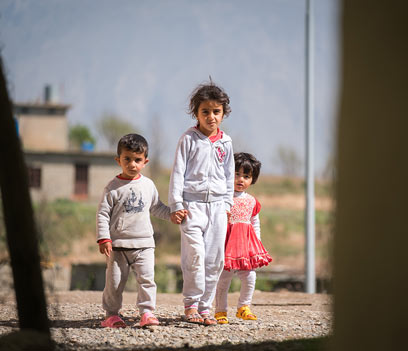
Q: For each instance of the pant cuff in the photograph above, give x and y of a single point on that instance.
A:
(190, 306)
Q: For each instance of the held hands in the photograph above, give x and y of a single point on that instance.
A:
(105, 248)
(178, 216)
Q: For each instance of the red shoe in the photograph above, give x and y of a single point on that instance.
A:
(147, 319)
(113, 322)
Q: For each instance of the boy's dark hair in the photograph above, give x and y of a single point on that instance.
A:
(205, 92)
(248, 163)
(133, 142)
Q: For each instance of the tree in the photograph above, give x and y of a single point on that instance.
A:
(156, 146)
(288, 160)
(112, 128)
(79, 134)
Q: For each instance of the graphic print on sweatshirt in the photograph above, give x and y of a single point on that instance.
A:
(130, 203)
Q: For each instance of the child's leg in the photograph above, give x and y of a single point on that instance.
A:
(142, 264)
(221, 295)
(192, 254)
(248, 279)
(117, 272)
(214, 241)
(247, 290)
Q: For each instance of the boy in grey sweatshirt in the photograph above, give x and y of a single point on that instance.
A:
(125, 232)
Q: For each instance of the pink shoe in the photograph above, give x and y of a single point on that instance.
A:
(113, 322)
(147, 319)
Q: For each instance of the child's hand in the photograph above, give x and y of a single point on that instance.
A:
(175, 217)
(105, 248)
(228, 216)
(178, 216)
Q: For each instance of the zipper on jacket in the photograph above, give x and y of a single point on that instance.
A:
(210, 169)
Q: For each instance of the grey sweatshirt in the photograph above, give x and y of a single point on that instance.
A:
(202, 170)
(124, 212)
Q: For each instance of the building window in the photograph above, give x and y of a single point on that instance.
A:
(81, 179)
(34, 177)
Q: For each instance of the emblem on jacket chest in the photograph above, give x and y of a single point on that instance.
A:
(220, 153)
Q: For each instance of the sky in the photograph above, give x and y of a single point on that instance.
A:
(141, 59)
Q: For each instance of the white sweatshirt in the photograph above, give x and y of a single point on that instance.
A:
(202, 170)
(124, 212)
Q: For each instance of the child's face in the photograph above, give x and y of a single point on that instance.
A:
(242, 180)
(209, 116)
(131, 163)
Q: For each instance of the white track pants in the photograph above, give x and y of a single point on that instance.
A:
(202, 252)
(247, 278)
(141, 262)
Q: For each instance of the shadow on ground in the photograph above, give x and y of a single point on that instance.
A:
(31, 340)
(315, 344)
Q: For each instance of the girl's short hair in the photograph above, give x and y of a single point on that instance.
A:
(205, 92)
(133, 142)
(248, 163)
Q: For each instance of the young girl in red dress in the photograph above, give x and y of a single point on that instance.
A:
(243, 248)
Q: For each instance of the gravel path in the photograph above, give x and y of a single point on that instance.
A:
(76, 316)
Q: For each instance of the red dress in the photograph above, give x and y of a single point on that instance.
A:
(243, 249)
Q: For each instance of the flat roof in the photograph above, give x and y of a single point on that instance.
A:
(70, 156)
(34, 108)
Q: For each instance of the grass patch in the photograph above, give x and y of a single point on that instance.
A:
(267, 185)
(271, 185)
(283, 233)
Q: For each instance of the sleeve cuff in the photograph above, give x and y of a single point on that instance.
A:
(176, 207)
(102, 241)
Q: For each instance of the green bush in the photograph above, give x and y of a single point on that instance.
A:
(61, 222)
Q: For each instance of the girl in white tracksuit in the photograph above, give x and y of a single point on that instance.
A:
(202, 182)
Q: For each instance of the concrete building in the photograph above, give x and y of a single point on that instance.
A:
(42, 126)
(54, 170)
(69, 175)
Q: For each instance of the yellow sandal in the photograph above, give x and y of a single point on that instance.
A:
(245, 313)
(221, 317)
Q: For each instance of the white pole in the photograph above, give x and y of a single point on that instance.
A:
(309, 109)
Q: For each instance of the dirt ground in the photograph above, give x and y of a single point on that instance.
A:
(286, 321)
(315, 302)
